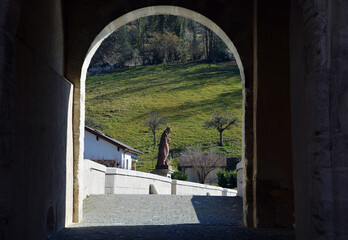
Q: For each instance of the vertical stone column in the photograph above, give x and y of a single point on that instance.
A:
(78, 143)
(272, 165)
(248, 130)
(320, 95)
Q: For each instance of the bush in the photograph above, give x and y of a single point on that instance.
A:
(227, 178)
(180, 175)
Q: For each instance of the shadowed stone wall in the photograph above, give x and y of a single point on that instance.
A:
(51, 42)
(10, 11)
(319, 90)
(40, 100)
(273, 182)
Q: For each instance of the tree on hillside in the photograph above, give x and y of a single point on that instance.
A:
(159, 39)
(154, 120)
(215, 49)
(140, 38)
(164, 47)
(201, 163)
(221, 122)
(194, 49)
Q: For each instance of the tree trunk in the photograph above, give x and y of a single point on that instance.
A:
(221, 139)
(201, 179)
(154, 139)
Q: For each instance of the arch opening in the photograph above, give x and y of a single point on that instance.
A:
(110, 28)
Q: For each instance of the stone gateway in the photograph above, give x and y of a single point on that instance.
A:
(292, 56)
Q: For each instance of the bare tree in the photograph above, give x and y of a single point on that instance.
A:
(202, 163)
(221, 122)
(154, 120)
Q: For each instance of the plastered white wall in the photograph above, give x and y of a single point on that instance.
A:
(190, 188)
(94, 178)
(99, 179)
(239, 168)
(122, 181)
(97, 148)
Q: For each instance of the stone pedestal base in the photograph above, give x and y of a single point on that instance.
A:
(164, 172)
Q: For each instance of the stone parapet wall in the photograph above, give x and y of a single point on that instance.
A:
(93, 178)
(99, 179)
(191, 188)
(123, 181)
(239, 169)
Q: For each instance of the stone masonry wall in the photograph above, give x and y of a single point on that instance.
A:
(320, 106)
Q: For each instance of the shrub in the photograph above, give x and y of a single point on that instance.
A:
(227, 178)
(180, 175)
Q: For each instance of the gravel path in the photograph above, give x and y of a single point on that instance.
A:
(165, 217)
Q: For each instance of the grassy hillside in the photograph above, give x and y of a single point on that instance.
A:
(185, 93)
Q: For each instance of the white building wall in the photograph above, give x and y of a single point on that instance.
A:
(128, 161)
(100, 149)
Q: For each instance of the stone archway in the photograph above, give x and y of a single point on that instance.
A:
(252, 27)
(55, 38)
(111, 27)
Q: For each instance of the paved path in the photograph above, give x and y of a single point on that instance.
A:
(165, 217)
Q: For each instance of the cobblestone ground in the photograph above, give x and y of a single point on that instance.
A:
(165, 217)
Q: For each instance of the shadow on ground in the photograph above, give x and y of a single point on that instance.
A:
(181, 231)
(165, 217)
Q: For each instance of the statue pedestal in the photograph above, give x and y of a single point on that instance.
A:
(165, 171)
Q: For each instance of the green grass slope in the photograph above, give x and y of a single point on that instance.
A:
(185, 93)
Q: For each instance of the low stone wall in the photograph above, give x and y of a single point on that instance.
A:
(99, 179)
(93, 178)
(122, 181)
(239, 169)
(191, 188)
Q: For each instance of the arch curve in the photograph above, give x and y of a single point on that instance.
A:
(160, 10)
(80, 55)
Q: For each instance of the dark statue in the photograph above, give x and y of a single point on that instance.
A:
(163, 150)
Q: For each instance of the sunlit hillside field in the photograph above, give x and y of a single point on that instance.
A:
(185, 93)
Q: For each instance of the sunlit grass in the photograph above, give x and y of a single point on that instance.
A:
(185, 93)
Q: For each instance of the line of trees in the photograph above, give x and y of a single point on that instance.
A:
(161, 39)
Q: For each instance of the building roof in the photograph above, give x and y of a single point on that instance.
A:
(113, 141)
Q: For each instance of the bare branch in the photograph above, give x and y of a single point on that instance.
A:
(221, 122)
(154, 120)
(202, 163)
